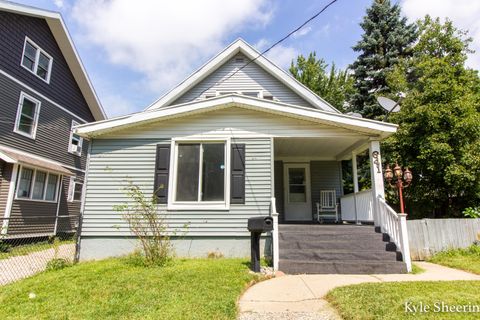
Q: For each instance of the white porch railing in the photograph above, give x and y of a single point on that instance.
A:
(275, 246)
(395, 225)
(357, 206)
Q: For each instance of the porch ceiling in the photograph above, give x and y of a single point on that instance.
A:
(322, 148)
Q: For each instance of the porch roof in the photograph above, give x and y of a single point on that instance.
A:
(362, 126)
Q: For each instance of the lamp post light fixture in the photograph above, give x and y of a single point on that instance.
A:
(399, 179)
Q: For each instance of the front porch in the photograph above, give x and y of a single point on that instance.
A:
(307, 170)
(369, 237)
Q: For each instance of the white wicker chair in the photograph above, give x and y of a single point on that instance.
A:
(328, 206)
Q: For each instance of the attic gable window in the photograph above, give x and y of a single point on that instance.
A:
(36, 60)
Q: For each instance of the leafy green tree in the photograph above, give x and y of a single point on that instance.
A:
(439, 122)
(387, 38)
(334, 85)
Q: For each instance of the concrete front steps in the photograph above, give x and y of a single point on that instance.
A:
(336, 249)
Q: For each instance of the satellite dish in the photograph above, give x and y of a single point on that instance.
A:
(388, 104)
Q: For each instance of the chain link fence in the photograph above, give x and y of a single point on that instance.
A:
(32, 244)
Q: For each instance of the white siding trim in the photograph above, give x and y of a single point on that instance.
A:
(10, 197)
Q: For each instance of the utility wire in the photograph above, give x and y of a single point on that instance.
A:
(271, 47)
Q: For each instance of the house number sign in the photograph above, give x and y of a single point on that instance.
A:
(375, 155)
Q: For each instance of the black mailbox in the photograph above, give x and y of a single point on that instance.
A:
(260, 224)
(257, 225)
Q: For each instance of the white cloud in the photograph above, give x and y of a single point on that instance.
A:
(464, 14)
(302, 32)
(281, 55)
(165, 40)
(117, 105)
(59, 3)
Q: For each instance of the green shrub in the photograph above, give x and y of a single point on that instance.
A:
(4, 246)
(472, 212)
(57, 264)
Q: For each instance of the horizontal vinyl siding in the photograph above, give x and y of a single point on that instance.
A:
(53, 130)
(235, 121)
(62, 88)
(112, 161)
(325, 175)
(250, 78)
(31, 217)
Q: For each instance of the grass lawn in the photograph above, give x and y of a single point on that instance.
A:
(466, 259)
(29, 248)
(387, 300)
(119, 289)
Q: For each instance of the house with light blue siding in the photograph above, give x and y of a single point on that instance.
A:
(241, 138)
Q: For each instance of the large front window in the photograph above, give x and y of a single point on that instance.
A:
(37, 185)
(200, 172)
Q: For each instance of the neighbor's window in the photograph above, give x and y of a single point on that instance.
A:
(37, 60)
(27, 116)
(76, 141)
(37, 185)
(75, 190)
(200, 175)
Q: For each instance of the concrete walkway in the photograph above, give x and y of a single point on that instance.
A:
(302, 296)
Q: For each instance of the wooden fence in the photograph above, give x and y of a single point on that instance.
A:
(428, 236)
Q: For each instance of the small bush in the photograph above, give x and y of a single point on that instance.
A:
(472, 212)
(57, 264)
(4, 246)
(148, 225)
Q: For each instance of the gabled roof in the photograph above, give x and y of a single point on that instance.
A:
(241, 46)
(362, 126)
(65, 43)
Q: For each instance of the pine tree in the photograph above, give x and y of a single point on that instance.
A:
(334, 85)
(387, 37)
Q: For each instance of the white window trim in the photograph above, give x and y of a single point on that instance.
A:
(37, 58)
(23, 95)
(19, 175)
(80, 143)
(71, 189)
(198, 205)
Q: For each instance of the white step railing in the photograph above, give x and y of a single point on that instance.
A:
(357, 206)
(275, 246)
(395, 225)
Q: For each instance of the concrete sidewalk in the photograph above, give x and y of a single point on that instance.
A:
(302, 296)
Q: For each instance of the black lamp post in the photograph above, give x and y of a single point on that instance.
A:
(399, 179)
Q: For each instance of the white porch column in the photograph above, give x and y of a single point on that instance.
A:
(377, 179)
(355, 182)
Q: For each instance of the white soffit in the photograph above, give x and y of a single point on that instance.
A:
(365, 126)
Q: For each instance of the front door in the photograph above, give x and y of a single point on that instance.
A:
(298, 204)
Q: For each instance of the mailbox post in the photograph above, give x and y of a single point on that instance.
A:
(257, 225)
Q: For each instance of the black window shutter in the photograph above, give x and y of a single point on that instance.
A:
(162, 166)
(237, 192)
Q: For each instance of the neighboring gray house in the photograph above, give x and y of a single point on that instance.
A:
(232, 141)
(44, 92)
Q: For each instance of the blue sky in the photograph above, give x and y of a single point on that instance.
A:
(134, 51)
